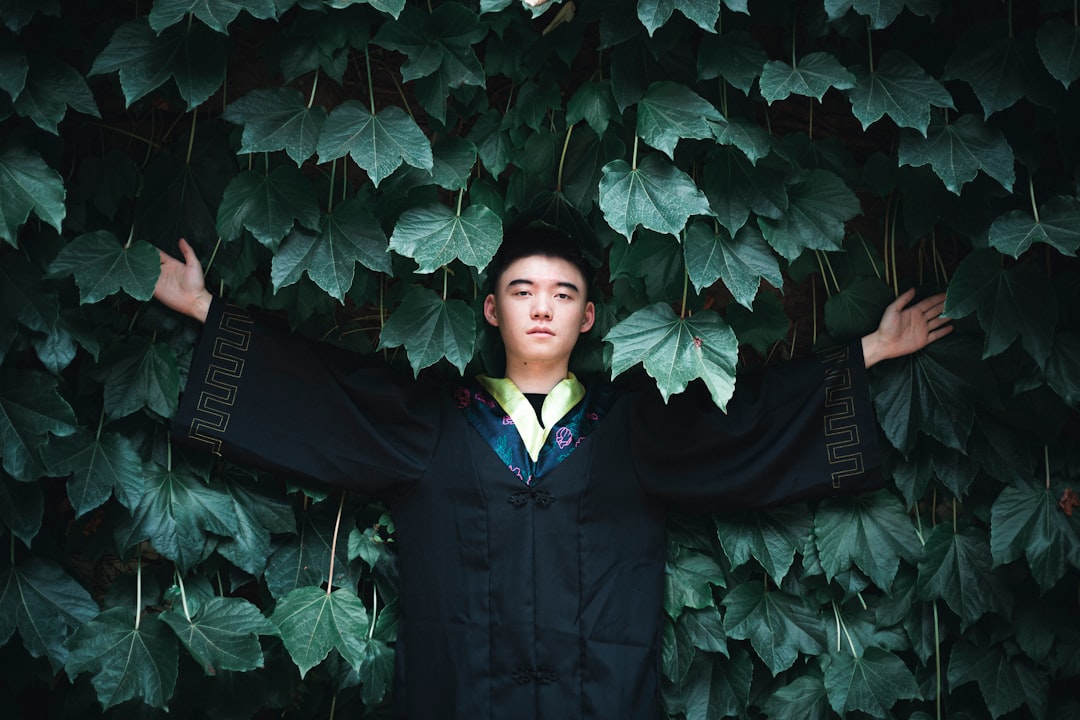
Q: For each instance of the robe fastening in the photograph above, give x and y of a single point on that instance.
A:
(539, 601)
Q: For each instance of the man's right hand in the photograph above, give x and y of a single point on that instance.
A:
(181, 285)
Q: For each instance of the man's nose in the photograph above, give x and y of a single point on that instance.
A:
(541, 308)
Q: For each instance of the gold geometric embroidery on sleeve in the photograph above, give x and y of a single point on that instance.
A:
(841, 428)
(212, 409)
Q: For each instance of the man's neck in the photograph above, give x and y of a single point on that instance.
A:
(536, 377)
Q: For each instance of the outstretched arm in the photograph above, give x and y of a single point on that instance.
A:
(903, 329)
(181, 286)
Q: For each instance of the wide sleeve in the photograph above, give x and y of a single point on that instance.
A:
(259, 396)
(799, 430)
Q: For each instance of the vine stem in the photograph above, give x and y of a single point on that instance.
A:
(333, 176)
(445, 281)
(869, 45)
(100, 424)
(183, 594)
(370, 84)
(374, 610)
(213, 255)
(1046, 462)
(840, 624)
(937, 660)
(892, 249)
(1031, 194)
(685, 288)
(954, 515)
(191, 136)
(633, 164)
(314, 87)
(138, 585)
(562, 158)
(869, 256)
(460, 198)
(333, 545)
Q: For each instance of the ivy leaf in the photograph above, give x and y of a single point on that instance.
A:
(771, 537)
(223, 634)
(900, 88)
(312, 622)
(694, 630)
(593, 102)
(956, 568)
(777, 625)
(998, 64)
(42, 602)
(801, 698)
(141, 374)
(716, 687)
(763, 325)
(669, 112)
(17, 15)
(1058, 43)
(742, 262)
(653, 258)
(1011, 303)
(1055, 225)
(958, 150)
(189, 53)
(28, 184)
(818, 207)
(24, 298)
(378, 143)
(96, 465)
(431, 328)
(688, 582)
(676, 350)
(1026, 520)
(22, 508)
(735, 56)
(217, 14)
(872, 683)
(305, 558)
(857, 308)
(735, 188)
(1060, 375)
(51, 88)
(871, 531)
(492, 143)
(654, 14)
(127, 661)
(248, 546)
(30, 411)
(440, 41)
(103, 267)
(434, 236)
(349, 234)
(267, 205)
(1005, 682)
(811, 77)
(656, 195)
(277, 119)
(375, 669)
(753, 140)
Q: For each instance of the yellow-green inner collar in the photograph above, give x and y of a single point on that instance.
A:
(562, 398)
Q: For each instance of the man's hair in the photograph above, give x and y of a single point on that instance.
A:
(538, 239)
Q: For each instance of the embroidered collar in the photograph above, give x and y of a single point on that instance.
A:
(562, 398)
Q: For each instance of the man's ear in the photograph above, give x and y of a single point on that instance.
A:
(489, 311)
(590, 317)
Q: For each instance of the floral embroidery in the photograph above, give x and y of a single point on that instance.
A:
(463, 397)
(507, 420)
(563, 437)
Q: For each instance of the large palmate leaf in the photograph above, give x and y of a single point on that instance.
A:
(741, 262)
(1026, 520)
(956, 568)
(818, 206)
(1012, 303)
(655, 194)
(439, 41)
(802, 697)
(42, 602)
(268, 205)
(248, 546)
(28, 185)
(223, 634)
(900, 88)
(431, 328)
(717, 687)
(141, 374)
(856, 309)
(771, 537)
(435, 235)
(31, 410)
(378, 143)
(312, 622)
(688, 582)
(51, 88)
(736, 187)
(873, 682)
(650, 258)
(1057, 224)
(304, 559)
(1058, 43)
(882, 13)
(676, 350)
(96, 464)
(871, 531)
(1060, 367)
(812, 76)
(999, 65)
(669, 112)
(24, 298)
(654, 14)
(958, 150)
(694, 630)
(22, 508)
(735, 56)
(217, 14)
(277, 119)
(1005, 682)
(127, 660)
(779, 626)
(103, 267)
(595, 104)
(189, 53)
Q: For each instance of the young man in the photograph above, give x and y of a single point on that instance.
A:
(530, 510)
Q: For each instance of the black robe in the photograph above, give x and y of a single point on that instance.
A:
(541, 600)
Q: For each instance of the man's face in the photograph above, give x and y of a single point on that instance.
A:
(540, 309)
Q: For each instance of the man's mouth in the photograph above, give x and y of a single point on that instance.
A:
(540, 331)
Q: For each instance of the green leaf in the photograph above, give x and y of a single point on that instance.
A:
(1027, 521)
(1058, 43)
(872, 683)
(998, 64)
(654, 14)
(778, 625)
(956, 568)
(492, 142)
(223, 634)
(376, 670)
(1005, 682)
(127, 661)
(28, 185)
(42, 602)
(377, 143)
(716, 687)
(871, 531)
(801, 698)
(811, 77)
(676, 350)
(753, 140)
(349, 234)
(688, 582)
(856, 309)
(653, 258)
(96, 465)
(141, 374)
(30, 411)
(656, 195)
(431, 328)
(190, 53)
(312, 622)
(103, 267)
(763, 325)
(735, 56)
(694, 630)
(742, 262)
(439, 41)
(594, 103)
(22, 509)
(1061, 365)
(51, 88)
(18, 15)
(24, 298)
(248, 546)
(771, 537)
(735, 188)
(217, 14)
(818, 207)
(277, 119)
(900, 88)
(958, 150)
(305, 558)
(268, 205)
(669, 112)
(434, 236)
(1056, 225)
(1012, 303)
